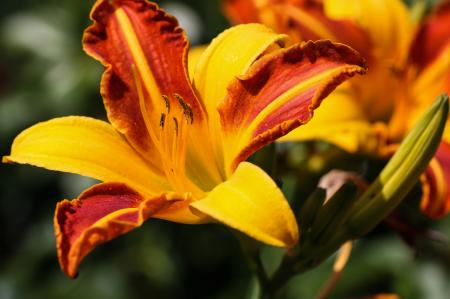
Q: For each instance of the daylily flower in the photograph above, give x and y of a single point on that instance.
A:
(176, 149)
(409, 65)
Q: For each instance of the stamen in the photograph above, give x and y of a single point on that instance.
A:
(187, 110)
(175, 121)
(162, 120)
(166, 102)
(181, 144)
(171, 141)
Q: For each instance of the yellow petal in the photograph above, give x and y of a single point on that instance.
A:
(251, 202)
(180, 212)
(193, 57)
(87, 147)
(340, 120)
(229, 55)
(387, 21)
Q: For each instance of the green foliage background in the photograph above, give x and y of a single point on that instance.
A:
(45, 74)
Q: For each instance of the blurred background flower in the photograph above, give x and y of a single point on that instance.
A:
(45, 74)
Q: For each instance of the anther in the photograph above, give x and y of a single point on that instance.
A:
(187, 110)
(162, 120)
(175, 122)
(166, 102)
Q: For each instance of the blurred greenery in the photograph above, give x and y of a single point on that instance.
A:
(45, 74)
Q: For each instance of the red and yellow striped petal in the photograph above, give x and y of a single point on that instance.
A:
(136, 41)
(88, 147)
(279, 93)
(308, 22)
(436, 184)
(433, 36)
(387, 22)
(251, 202)
(99, 215)
(431, 54)
(301, 20)
(431, 81)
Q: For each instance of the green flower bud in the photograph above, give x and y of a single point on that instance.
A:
(402, 171)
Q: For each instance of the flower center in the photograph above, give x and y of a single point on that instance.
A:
(170, 136)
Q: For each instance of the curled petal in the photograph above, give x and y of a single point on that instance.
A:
(280, 92)
(435, 184)
(251, 202)
(99, 215)
(136, 41)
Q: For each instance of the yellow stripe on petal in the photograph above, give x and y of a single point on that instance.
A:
(139, 57)
(87, 147)
(251, 202)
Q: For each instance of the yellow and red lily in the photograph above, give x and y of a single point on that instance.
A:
(409, 65)
(175, 147)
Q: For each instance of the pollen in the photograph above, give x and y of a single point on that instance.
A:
(166, 102)
(187, 110)
(162, 120)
